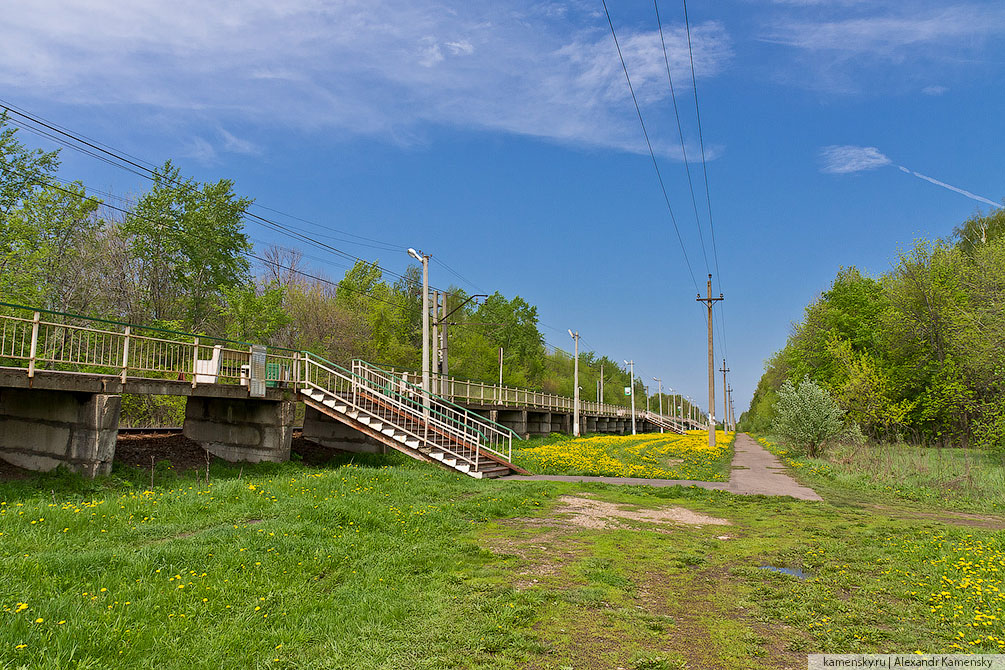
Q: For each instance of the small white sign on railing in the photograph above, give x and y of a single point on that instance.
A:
(256, 383)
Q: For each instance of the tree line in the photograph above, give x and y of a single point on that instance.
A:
(178, 256)
(916, 353)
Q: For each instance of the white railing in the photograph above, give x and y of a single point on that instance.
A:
(437, 424)
(488, 434)
(472, 392)
(44, 340)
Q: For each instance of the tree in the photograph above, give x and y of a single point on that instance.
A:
(807, 416)
(190, 241)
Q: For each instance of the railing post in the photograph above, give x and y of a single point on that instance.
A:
(195, 361)
(34, 344)
(125, 354)
(296, 370)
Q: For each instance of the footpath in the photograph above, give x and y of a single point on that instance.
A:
(755, 471)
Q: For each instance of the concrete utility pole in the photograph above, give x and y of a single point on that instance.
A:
(500, 367)
(575, 382)
(729, 413)
(725, 397)
(660, 382)
(444, 346)
(709, 302)
(631, 365)
(437, 344)
(419, 256)
(601, 382)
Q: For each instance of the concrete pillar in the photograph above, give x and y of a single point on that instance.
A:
(515, 420)
(591, 424)
(333, 434)
(241, 430)
(539, 423)
(40, 429)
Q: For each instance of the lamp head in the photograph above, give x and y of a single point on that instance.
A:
(414, 254)
(571, 335)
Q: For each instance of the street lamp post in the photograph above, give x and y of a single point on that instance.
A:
(660, 392)
(575, 382)
(631, 365)
(424, 259)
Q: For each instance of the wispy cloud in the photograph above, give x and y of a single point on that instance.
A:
(849, 47)
(847, 159)
(934, 90)
(383, 68)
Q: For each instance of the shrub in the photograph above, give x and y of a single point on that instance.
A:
(807, 416)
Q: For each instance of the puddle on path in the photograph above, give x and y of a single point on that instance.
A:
(795, 572)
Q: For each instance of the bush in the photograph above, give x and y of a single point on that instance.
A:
(807, 416)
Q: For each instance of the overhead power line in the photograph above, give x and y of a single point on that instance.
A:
(116, 158)
(704, 168)
(649, 144)
(249, 254)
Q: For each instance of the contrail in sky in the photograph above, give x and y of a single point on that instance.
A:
(972, 196)
(848, 159)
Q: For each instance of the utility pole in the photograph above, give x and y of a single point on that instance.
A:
(437, 343)
(660, 392)
(729, 415)
(444, 358)
(575, 382)
(424, 258)
(500, 367)
(631, 365)
(601, 382)
(725, 397)
(709, 302)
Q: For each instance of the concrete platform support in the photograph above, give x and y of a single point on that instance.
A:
(515, 420)
(591, 424)
(40, 430)
(539, 423)
(328, 432)
(562, 423)
(241, 430)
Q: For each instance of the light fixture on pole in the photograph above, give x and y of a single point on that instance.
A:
(631, 389)
(660, 393)
(575, 383)
(424, 259)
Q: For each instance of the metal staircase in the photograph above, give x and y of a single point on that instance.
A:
(403, 416)
(665, 422)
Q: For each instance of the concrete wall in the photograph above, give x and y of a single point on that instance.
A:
(539, 423)
(241, 430)
(328, 432)
(40, 429)
(515, 420)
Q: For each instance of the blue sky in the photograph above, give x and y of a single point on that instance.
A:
(501, 138)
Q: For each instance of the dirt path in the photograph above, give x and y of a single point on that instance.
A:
(755, 472)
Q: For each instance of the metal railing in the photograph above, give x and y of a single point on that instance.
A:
(492, 436)
(47, 340)
(459, 389)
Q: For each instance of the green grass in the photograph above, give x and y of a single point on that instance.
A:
(963, 479)
(382, 562)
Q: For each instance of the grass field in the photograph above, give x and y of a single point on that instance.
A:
(389, 563)
(650, 455)
(966, 479)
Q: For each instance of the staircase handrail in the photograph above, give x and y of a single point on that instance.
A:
(478, 417)
(389, 389)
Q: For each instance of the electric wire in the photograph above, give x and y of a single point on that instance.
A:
(249, 254)
(652, 154)
(704, 167)
(680, 133)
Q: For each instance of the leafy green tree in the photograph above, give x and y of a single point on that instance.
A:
(254, 314)
(807, 416)
(190, 243)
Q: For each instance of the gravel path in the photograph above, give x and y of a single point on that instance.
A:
(755, 472)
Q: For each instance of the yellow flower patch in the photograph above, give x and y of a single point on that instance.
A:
(650, 456)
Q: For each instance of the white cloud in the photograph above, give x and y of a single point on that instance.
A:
(238, 145)
(847, 46)
(846, 159)
(934, 90)
(384, 68)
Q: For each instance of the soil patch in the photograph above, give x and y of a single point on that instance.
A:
(597, 514)
(952, 518)
(138, 449)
